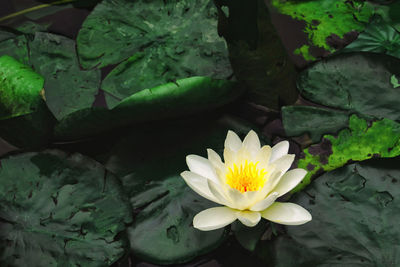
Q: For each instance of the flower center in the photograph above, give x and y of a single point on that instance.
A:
(246, 177)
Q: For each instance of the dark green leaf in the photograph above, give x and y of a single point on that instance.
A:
(249, 237)
(16, 47)
(378, 37)
(168, 40)
(314, 121)
(355, 213)
(67, 87)
(60, 210)
(359, 82)
(171, 100)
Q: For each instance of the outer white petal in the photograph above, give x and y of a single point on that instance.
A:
(263, 156)
(216, 162)
(229, 156)
(286, 213)
(289, 180)
(284, 163)
(218, 192)
(233, 141)
(201, 166)
(265, 203)
(214, 218)
(199, 185)
(249, 218)
(272, 181)
(252, 143)
(279, 150)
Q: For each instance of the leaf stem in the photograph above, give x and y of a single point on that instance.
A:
(35, 8)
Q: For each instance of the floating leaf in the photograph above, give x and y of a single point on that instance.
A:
(171, 100)
(355, 212)
(67, 87)
(345, 82)
(326, 22)
(60, 210)
(314, 121)
(16, 47)
(378, 37)
(175, 33)
(359, 142)
(20, 88)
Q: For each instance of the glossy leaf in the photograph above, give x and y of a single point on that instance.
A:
(60, 210)
(355, 212)
(67, 87)
(20, 88)
(182, 35)
(345, 82)
(378, 37)
(186, 96)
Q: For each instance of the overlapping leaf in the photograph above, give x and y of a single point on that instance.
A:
(355, 212)
(58, 209)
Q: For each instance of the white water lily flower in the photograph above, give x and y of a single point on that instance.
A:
(246, 184)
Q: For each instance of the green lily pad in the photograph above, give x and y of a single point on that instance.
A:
(345, 82)
(362, 140)
(60, 210)
(378, 37)
(314, 121)
(150, 165)
(355, 213)
(67, 87)
(20, 88)
(176, 33)
(325, 19)
(16, 47)
(171, 100)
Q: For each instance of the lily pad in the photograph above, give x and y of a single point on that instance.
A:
(355, 212)
(150, 165)
(16, 47)
(378, 37)
(362, 140)
(171, 100)
(165, 31)
(20, 88)
(60, 210)
(67, 87)
(344, 82)
(325, 21)
(314, 121)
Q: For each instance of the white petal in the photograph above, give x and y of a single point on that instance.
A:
(229, 157)
(289, 180)
(218, 192)
(252, 143)
(272, 181)
(279, 150)
(199, 184)
(286, 213)
(233, 141)
(265, 203)
(202, 167)
(215, 160)
(284, 163)
(249, 218)
(214, 218)
(238, 199)
(263, 156)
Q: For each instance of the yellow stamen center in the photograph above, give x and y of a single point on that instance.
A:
(246, 177)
